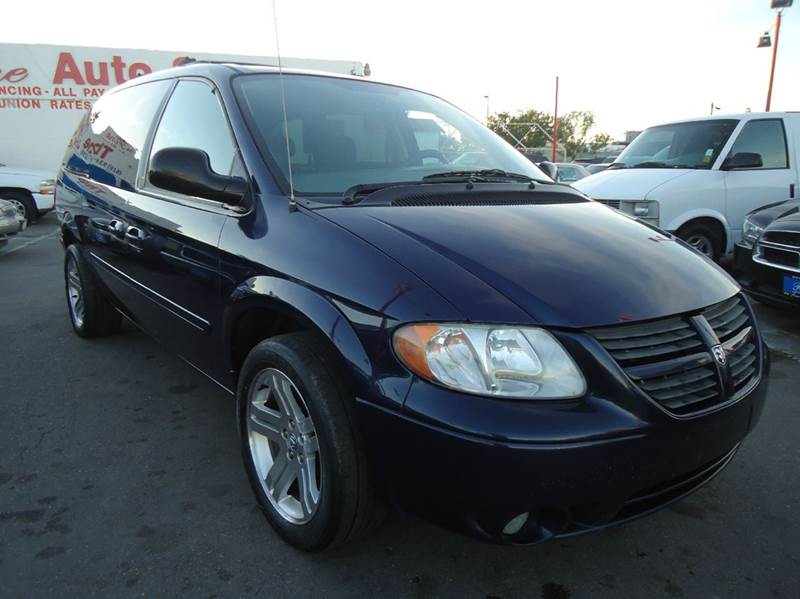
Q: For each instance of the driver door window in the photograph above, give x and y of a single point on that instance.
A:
(194, 118)
(767, 139)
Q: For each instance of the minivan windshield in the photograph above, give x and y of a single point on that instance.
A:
(694, 144)
(345, 132)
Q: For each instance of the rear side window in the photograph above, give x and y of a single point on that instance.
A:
(107, 146)
(766, 138)
(194, 118)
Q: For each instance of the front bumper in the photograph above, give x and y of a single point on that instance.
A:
(582, 466)
(760, 281)
(45, 202)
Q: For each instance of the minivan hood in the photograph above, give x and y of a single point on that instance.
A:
(571, 265)
(627, 184)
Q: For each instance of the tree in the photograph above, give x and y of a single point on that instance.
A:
(573, 130)
(509, 128)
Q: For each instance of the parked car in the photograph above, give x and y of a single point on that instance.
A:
(569, 172)
(698, 178)
(598, 167)
(490, 349)
(31, 190)
(767, 259)
(12, 221)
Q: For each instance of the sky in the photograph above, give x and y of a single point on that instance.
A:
(633, 63)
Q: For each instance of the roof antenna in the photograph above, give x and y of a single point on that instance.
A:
(292, 201)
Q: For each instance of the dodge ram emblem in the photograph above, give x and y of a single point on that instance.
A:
(719, 355)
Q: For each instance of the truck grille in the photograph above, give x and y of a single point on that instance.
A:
(672, 360)
(780, 249)
(610, 203)
(790, 238)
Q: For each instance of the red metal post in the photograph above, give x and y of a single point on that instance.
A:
(555, 125)
(774, 56)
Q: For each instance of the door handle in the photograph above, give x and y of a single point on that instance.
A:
(135, 234)
(117, 227)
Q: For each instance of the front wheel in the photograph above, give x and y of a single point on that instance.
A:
(24, 205)
(300, 444)
(703, 238)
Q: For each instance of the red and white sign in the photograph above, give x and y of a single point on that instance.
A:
(44, 91)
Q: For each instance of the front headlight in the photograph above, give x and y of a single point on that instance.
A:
(522, 362)
(46, 186)
(644, 209)
(750, 233)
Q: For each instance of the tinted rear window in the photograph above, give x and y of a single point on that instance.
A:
(107, 145)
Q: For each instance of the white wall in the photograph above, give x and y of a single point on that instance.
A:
(44, 90)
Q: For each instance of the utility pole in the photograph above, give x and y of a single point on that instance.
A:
(774, 56)
(555, 125)
(487, 109)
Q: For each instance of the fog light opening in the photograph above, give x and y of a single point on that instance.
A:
(515, 524)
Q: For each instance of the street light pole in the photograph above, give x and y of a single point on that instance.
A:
(774, 56)
(555, 126)
(487, 109)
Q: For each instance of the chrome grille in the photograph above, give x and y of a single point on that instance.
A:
(780, 249)
(727, 318)
(671, 359)
(631, 343)
(790, 238)
(731, 319)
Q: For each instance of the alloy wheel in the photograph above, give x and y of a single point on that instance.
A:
(284, 447)
(74, 292)
(18, 205)
(702, 244)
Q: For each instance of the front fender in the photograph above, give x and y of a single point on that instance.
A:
(348, 328)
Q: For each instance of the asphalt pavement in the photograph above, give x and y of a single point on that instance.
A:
(120, 476)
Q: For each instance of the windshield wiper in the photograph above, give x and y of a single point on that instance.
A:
(651, 164)
(480, 175)
(354, 194)
(616, 165)
(656, 164)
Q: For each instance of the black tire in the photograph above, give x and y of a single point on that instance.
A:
(702, 237)
(100, 318)
(349, 504)
(23, 200)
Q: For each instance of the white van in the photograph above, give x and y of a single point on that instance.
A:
(699, 178)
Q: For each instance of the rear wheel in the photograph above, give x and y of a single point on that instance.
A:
(90, 312)
(704, 238)
(301, 447)
(24, 204)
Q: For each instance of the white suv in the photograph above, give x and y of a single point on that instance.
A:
(31, 190)
(699, 178)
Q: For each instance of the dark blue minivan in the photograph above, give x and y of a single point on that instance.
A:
(478, 345)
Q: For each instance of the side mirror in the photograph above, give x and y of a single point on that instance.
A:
(188, 171)
(742, 160)
(549, 169)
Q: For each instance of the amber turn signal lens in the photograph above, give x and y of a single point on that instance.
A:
(411, 342)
